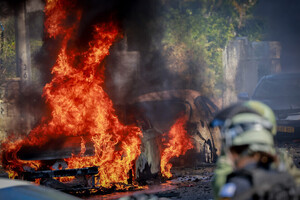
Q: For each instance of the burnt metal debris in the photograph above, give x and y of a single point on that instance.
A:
(60, 173)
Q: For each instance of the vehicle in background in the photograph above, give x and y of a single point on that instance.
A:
(282, 93)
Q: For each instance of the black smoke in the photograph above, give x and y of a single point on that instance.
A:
(135, 19)
(9, 7)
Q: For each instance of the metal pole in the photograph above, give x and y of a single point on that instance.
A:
(22, 48)
(23, 63)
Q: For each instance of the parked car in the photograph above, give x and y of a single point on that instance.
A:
(282, 93)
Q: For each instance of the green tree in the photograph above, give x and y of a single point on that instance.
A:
(8, 67)
(8, 53)
(197, 31)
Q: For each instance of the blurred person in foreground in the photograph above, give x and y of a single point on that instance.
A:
(250, 167)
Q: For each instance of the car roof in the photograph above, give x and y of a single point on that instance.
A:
(5, 182)
(183, 94)
(19, 190)
(287, 75)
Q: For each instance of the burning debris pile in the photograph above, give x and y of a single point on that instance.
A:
(82, 114)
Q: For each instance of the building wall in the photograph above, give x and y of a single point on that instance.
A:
(10, 116)
(244, 63)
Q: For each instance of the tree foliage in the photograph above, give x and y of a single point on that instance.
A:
(8, 66)
(197, 31)
(7, 53)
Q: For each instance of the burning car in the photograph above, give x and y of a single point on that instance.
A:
(80, 140)
(156, 112)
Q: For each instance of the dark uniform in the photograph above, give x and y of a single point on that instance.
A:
(256, 182)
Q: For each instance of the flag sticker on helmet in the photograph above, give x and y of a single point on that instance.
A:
(228, 190)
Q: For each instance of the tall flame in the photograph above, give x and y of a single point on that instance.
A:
(177, 145)
(79, 105)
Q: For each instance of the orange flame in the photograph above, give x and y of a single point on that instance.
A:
(79, 105)
(177, 145)
(10, 160)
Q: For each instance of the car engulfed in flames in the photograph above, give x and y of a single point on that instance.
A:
(174, 123)
(79, 110)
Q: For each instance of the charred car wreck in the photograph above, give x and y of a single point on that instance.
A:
(155, 112)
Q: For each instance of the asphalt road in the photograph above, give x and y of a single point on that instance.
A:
(186, 183)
